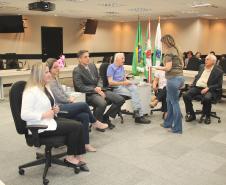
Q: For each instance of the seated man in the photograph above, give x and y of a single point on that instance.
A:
(159, 87)
(207, 81)
(116, 78)
(86, 79)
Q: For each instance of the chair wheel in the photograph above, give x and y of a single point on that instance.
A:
(21, 171)
(45, 181)
(76, 170)
(219, 121)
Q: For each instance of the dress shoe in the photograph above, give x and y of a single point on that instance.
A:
(142, 120)
(111, 126)
(189, 118)
(69, 164)
(108, 121)
(84, 168)
(207, 120)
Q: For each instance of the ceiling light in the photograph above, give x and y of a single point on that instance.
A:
(110, 4)
(140, 10)
(206, 15)
(200, 4)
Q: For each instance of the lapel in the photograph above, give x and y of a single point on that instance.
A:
(86, 74)
(212, 74)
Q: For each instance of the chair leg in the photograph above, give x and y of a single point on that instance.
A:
(33, 163)
(121, 117)
(214, 115)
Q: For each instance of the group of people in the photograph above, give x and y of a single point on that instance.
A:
(44, 97)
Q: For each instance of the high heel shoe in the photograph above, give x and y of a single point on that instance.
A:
(69, 164)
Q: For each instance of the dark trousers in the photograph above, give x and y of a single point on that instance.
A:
(81, 112)
(99, 103)
(73, 132)
(161, 96)
(206, 100)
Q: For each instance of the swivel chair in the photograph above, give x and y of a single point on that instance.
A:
(33, 139)
(214, 100)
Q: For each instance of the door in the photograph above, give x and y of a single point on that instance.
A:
(52, 42)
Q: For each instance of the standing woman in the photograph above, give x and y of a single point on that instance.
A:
(79, 111)
(38, 107)
(173, 65)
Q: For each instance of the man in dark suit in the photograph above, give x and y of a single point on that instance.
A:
(206, 83)
(86, 79)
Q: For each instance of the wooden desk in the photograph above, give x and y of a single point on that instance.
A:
(13, 75)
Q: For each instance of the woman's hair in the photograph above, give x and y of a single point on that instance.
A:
(37, 74)
(169, 41)
(50, 62)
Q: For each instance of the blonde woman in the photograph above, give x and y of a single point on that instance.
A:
(173, 66)
(38, 107)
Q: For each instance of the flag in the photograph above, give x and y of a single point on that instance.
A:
(147, 56)
(158, 47)
(138, 55)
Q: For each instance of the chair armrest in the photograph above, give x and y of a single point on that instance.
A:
(62, 113)
(34, 130)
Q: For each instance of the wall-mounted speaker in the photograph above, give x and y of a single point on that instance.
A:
(90, 26)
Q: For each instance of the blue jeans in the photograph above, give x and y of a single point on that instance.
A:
(173, 119)
(80, 112)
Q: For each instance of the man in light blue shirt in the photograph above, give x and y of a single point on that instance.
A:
(122, 86)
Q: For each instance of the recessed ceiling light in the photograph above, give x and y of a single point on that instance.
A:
(140, 10)
(112, 13)
(189, 12)
(206, 15)
(111, 4)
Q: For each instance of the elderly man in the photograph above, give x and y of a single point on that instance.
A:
(86, 79)
(116, 78)
(206, 82)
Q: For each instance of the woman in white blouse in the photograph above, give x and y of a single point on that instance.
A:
(38, 107)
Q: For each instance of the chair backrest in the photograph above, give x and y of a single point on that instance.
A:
(1, 64)
(193, 64)
(222, 63)
(103, 73)
(15, 98)
(11, 61)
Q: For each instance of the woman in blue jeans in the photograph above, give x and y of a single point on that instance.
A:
(173, 65)
(79, 111)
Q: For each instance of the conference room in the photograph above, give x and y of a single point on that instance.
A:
(130, 153)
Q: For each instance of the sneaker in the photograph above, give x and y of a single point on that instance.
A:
(142, 120)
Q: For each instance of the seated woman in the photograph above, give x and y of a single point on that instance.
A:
(79, 111)
(38, 107)
(159, 87)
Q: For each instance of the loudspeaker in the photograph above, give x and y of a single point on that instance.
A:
(90, 27)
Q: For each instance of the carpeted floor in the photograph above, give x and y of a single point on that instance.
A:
(130, 154)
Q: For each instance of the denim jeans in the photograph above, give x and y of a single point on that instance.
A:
(174, 118)
(131, 91)
(80, 111)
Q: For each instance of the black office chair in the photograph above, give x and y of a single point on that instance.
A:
(214, 100)
(103, 74)
(15, 97)
(1, 64)
(193, 64)
(11, 61)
